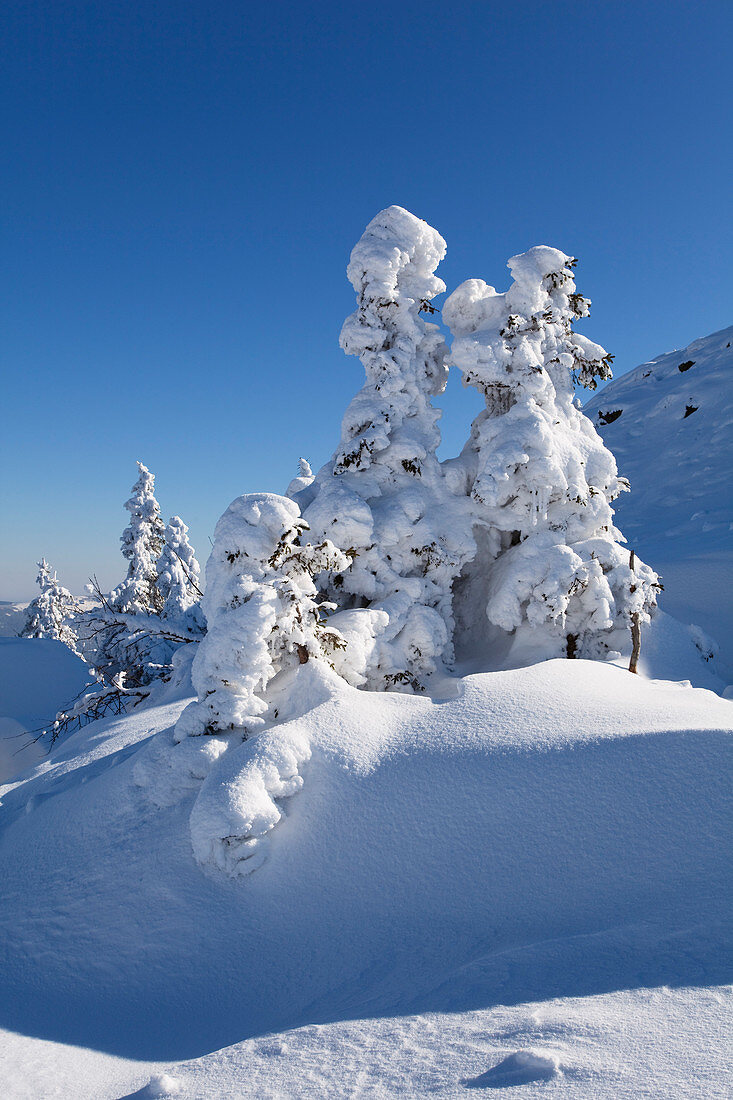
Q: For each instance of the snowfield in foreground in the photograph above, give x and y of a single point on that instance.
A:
(520, 882)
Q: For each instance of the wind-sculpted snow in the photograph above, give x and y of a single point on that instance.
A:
(242, 801)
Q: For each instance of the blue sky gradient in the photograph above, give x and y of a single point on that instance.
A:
(183, 183)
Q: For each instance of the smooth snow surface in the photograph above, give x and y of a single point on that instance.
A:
(679, 513)
(554, 834)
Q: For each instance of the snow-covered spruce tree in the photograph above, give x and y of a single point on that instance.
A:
(178, 579)
(51, 614)
(130, 637)
(262, 610)
(540, 479)
(142, 543)
(383, 493)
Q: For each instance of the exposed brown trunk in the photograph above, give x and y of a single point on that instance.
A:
(302, 654)
(635, 625)
(572, 647)
(635, 641)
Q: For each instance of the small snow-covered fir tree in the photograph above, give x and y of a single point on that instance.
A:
(540, 479)
(178, 578)
(383, 493)
(51, 614)
(262, 610)
(142, 543)
(302, 481)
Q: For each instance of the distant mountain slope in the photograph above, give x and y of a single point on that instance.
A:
(12, 618)
(669, 423)
(38, 676)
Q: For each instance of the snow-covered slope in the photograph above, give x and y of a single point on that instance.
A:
(670, 425)
(540, 835)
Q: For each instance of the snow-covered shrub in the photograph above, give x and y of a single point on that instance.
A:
(262, 610)
(178, 579)
(540, 479)
(383, 493)
(51, 614)
(142, 542)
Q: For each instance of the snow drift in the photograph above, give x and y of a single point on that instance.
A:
(552, 831)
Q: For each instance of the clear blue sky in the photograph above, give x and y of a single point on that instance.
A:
(183, 182)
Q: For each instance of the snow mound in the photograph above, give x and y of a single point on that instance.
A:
(520, 1068)
(161, 1085)
(669, 423)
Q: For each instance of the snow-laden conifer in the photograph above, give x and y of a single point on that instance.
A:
(51, 613)
(130, 637)
(383, 493)
(540, 479)
(179, 577)
(142, 543)
(262, 611)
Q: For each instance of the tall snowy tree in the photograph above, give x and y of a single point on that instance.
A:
(383, 492)
(50, 614)
(129, 639)
(178, 578)
(262, 610)
(540, 479)
(142, 543)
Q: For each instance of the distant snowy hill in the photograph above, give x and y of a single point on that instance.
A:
(669, 423)
(38, 676)
(12, 618)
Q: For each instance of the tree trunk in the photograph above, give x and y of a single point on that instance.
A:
(635, 625)
(635, 641)
(572, 646)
